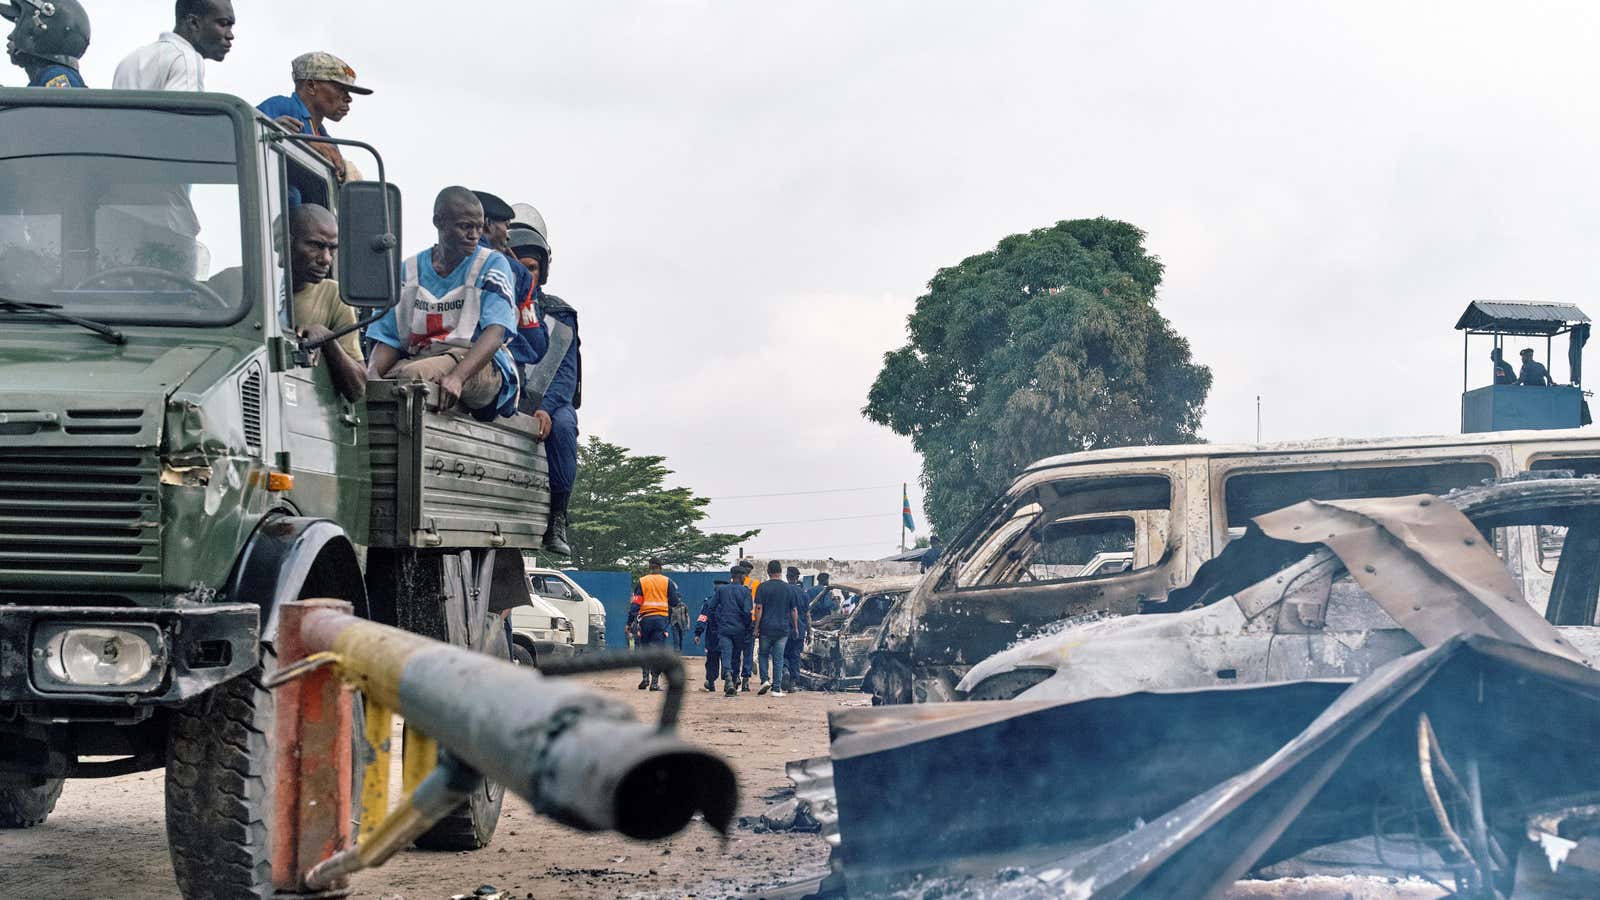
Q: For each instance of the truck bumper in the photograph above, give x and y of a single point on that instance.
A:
(194, 649)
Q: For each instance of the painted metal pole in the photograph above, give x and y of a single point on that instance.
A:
(572, 753)
(312, 764)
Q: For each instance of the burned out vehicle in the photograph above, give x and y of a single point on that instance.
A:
(1268, 609)
(840, 646)
(1384, 707)
(1004, 579)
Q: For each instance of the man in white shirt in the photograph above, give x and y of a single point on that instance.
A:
(176, 62)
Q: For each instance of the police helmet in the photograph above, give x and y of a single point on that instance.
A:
(53, 30)
(527, 219)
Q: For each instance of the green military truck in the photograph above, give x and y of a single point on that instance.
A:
(174, 464)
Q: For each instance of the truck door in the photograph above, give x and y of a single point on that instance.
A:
(321, 430)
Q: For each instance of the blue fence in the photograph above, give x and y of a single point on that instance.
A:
(614, 590)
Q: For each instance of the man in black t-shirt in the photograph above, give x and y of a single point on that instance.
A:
(1534, 374)
(776, 619)
(1503, 373)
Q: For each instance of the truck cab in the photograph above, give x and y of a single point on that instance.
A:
(175, 462)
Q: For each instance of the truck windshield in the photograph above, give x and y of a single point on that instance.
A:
(121, 215)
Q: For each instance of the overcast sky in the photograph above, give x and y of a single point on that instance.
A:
(746, 198)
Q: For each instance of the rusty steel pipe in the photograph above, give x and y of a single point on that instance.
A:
(312, 763)
(575, 755)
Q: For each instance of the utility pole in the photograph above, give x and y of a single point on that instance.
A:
(1258, 418)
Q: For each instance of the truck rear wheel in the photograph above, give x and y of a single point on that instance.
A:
(219, 790)
(29, 804)
(472, 826)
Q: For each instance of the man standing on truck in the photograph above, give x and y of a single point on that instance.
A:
(318, 309)
(658, 595)
(176, 61)
(323, 84)
(553, 378)
(776, 618)
(454, 317)
(49, 39)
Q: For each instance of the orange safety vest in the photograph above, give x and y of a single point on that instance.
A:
(752, 582)
(654, 590)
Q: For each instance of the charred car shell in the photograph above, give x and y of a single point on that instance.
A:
(840, 644)
(1271, 609)
(1005, 578)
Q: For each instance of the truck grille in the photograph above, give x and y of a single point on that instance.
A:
(74, 518)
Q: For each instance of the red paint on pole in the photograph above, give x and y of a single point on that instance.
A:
(311, 758)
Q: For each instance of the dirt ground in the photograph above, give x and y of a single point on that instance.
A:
(107, 838)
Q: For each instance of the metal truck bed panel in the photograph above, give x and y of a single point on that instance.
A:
(446, 480)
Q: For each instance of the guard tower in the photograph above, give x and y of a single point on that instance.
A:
(1513, 407)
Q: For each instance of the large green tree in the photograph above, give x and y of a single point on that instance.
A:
(1050, 343)
(623, 513)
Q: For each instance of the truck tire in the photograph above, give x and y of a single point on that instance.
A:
(219, 790)
(523, 655)
(472, 826)
(27, 805)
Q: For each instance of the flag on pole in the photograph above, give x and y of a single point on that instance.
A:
(905, 508)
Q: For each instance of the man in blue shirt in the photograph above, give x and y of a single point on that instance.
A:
(323, 84)
(48, 41)
(797, 637)
(454, 317)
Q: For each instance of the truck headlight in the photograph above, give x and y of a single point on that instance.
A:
(70, 657)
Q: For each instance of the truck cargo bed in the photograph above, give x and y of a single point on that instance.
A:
(448, 480)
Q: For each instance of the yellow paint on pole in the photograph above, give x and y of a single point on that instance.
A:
(419, 756)
(375, 783)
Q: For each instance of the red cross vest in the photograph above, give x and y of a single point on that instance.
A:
(452, 320)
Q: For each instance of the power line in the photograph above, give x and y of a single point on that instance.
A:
(819, 547)
(876, 515)
(859, 490)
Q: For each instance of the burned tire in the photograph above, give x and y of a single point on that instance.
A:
(27, 805)
(472, 826)
(888, 680)
(219, 790)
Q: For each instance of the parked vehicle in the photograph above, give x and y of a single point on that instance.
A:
(1177, 507)
(174, 464)
(839, 648)
(539, 631)
(587, 615)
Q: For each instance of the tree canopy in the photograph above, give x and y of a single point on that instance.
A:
(622, 514)
(1050, 343)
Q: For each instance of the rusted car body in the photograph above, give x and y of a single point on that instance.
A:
(840, 646)
(1176, 508)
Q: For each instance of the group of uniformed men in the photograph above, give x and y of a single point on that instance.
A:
(473, 315)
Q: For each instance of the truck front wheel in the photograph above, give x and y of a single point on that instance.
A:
(24, 805)
(472, 826)
(219, 790)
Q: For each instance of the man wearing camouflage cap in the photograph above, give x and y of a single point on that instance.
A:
(323, 85)
(49, 38)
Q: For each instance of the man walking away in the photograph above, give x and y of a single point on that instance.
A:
(48, 41)
(679, 620)
(705, 635)
(323, 84)
(775, 615)
(728, 617)
(797, 638)
(176, 61)
(658, 596)
(747, 649)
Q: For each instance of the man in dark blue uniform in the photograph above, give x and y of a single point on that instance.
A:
(797, 637)
(554, 381)
(705, 635)
(729, 612)
(48, 40)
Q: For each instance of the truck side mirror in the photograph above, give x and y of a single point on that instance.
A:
(369, 244)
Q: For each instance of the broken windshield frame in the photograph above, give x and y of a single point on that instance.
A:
(124, 215)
